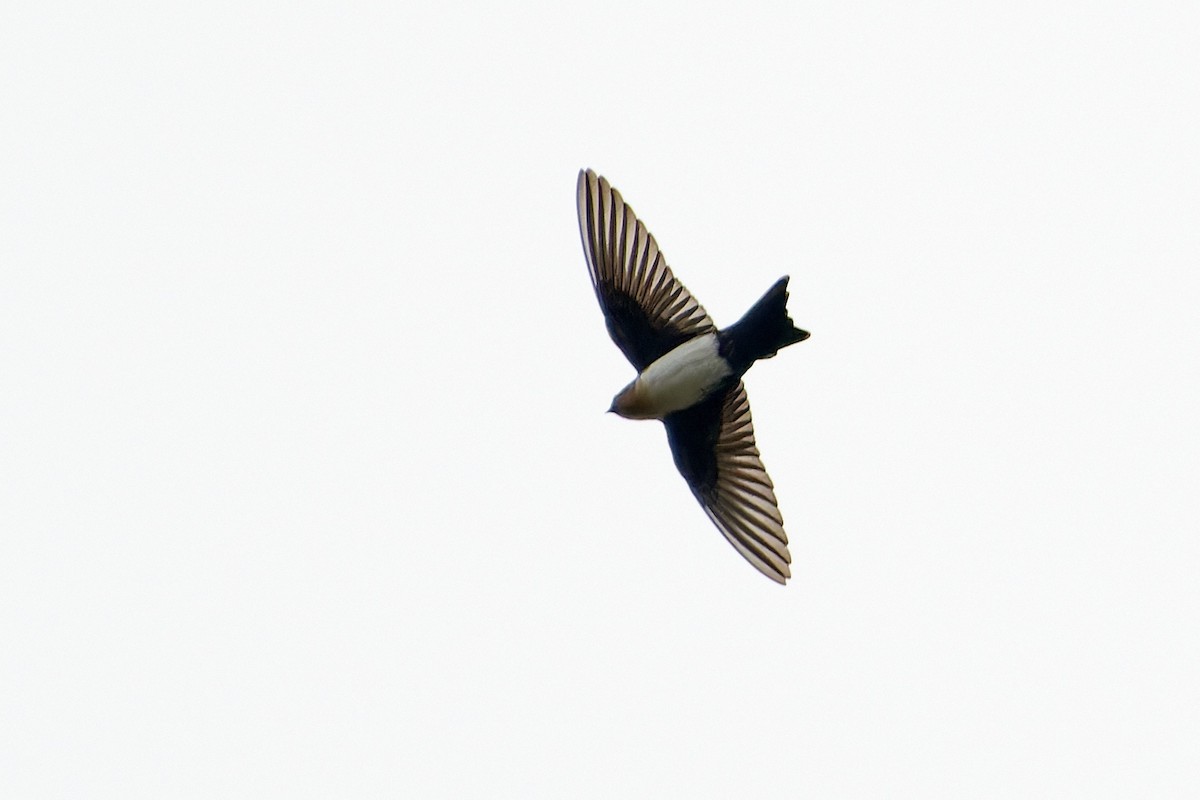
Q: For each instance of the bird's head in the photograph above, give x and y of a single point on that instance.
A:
(630, 403)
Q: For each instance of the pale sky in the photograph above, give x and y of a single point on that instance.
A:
(306, 488)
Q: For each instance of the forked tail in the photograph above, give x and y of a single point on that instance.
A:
(762, 331)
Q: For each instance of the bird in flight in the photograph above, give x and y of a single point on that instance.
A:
(689, 371)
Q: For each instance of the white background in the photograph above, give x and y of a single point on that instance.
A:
(306, 486)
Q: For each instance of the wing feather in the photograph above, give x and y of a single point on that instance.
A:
(714, 448)
(647, 310)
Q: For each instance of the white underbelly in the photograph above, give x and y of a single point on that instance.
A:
(684, 376)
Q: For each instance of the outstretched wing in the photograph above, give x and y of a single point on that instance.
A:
(648, 312)
(714, 449)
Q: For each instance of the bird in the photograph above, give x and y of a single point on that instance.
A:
(689, 371)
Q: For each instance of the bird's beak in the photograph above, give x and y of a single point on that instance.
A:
(612, 409)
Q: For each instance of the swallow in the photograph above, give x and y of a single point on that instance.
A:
(689, 371)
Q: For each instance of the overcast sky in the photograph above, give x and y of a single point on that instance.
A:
(306, 488)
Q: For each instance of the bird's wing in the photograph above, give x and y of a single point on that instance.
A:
(714, 449)
(648, 312)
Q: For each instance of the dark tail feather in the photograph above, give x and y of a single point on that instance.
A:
(763, 331)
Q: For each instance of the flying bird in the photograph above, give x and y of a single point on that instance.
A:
(689, 371)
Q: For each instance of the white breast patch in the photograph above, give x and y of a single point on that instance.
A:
(684, 376)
